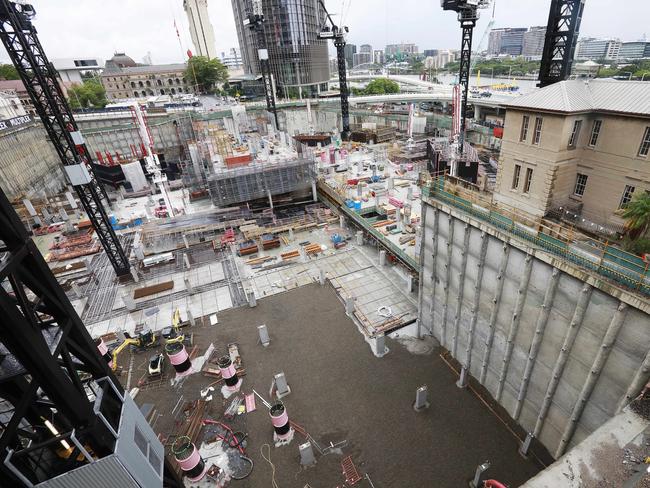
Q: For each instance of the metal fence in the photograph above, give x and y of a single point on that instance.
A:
(600, 257)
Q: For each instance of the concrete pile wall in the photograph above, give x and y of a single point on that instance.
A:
(29, 165)
(560, 350)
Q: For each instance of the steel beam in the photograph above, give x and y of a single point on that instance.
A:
(477, 301)
(461, 289)
(522, 291)
(540, 327)
(592, 378)
(496, 301)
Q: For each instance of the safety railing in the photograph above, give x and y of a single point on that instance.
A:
(600, 257)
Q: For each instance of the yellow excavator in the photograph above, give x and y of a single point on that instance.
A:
(173, 334)
(145, 339)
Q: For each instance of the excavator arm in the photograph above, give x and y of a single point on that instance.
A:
(120, 348)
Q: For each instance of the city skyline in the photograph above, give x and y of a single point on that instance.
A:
(436, 29)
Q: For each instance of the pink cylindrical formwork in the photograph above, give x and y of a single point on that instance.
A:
(280, 420)
(189, 459)
(103, 351)
(229, 373)
(178, 357)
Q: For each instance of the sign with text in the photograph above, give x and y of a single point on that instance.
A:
(15, 122)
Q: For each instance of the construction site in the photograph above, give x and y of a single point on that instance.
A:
(293, 297)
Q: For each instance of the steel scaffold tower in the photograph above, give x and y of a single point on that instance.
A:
(19, 37)
(561, 36)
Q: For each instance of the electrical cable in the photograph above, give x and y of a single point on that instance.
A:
(274, 483)
(248, 473)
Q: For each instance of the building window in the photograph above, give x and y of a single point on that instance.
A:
(595, 132)
(537, 136)
(140, 84)
(575, 133)
(627, 196)
(140, 441)
(528, 180)
(159, 82)
(645, 143)
(524, 128)
(515, 177)
(581, 184)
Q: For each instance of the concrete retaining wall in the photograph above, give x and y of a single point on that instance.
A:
(560, 350)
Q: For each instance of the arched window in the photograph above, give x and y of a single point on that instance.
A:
(150, 93)
(136, 94)
(148, 83)
(140, 84)
(132, 84)
(170, 81)
(162, 91)
(178, 82)
(159, 82)
(173, 92)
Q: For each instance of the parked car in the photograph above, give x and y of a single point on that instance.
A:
(156, 364)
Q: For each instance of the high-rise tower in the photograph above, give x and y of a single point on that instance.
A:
(200, 28)
(299, 61)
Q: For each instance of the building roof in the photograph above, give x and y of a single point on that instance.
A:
(15, 85)
(571, 96)
(112, 69)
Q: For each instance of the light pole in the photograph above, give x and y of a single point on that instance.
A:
(643, 77)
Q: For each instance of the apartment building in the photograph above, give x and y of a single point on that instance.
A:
(577, 144)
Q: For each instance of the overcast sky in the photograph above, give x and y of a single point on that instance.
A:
(98, 28)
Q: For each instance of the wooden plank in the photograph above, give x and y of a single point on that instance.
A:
(151, 290)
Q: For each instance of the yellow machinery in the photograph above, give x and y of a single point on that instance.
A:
(144, 340)
(173, 334)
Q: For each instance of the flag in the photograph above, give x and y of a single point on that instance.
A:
(189, 53)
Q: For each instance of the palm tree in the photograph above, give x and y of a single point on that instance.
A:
(637, 215)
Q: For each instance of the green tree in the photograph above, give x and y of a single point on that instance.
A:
(637, 215)
(381, 86)
(206, 73)
(8, 72)
(89, 94)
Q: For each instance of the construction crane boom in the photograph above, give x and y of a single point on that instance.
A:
(255, 21)
(337, 34)
(19, 37)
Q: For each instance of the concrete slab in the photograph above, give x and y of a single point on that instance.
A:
(341, 391)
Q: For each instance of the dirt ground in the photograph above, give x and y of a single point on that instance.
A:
(341, 391)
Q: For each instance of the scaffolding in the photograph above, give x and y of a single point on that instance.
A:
(259, 180)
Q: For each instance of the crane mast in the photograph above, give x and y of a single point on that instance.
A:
(337, 34)
(562, 32)
(255, 21)
(468, 15)
(19, 37)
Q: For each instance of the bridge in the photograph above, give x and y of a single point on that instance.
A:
(443, 94)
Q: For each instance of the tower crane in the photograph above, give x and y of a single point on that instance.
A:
(562, 32)
(337, 34)
(19, 37)
(255, 21)
(468, 15)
